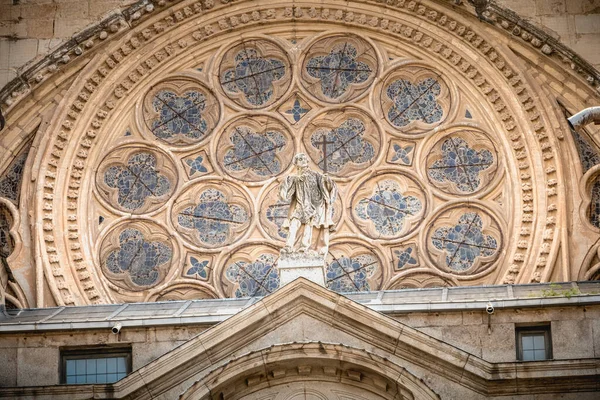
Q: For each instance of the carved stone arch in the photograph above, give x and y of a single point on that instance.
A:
(118, 66)
(315, 364)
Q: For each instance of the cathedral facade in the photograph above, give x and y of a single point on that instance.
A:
(141, 164)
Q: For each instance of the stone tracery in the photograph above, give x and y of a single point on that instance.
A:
(492, 95)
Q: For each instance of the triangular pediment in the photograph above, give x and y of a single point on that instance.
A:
(302, 312)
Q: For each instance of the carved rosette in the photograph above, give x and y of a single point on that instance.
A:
(180, 112)
(273, 211)
(212, 214)
(137, 255)
(254, 148)
(464, 241)
(389, 205)
(414, 99)
(339, 68)
(255, 73)
(344, 142)
(136, 179)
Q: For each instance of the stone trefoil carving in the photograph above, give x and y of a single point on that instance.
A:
(311, 195)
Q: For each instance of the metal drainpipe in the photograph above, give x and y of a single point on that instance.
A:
(585, 117)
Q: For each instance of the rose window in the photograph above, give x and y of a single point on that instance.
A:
(187, 188)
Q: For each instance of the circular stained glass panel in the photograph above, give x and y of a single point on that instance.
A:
(464, 240)
(462, 163)
(255, 73)
(180, 112)
(388, 206)
(255, 148)
(342, 142)
(337, 69)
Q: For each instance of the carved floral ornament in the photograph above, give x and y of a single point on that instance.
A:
(399, 147)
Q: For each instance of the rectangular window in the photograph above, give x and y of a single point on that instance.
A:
(95, 365)
(534, 343)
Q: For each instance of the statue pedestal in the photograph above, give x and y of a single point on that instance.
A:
(307, 265)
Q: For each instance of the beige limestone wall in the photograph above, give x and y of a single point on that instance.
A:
(31, 28)
(23, 354)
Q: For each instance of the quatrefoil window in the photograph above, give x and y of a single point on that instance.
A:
(255, 73)
(141, 184)
(181, 112)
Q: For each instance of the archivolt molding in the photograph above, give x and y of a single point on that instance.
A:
(306, 362)
(111, 76)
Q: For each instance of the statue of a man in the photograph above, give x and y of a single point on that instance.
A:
(311, 196)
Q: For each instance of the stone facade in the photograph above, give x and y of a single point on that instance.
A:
(304, 336)
(140, 164)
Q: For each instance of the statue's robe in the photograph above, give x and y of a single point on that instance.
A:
(311, 196)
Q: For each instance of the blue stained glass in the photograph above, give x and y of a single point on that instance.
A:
(137, 181)
(414, 102)
(345, 144)
(199, 268)
(254, 279)
(461, 165)
(588, 154)
(277, 213)
(402, 154)
(350, 274)
(464, 242)
(254, 76)
(338, 70)
(405, 257)
(196, 165)
(388, 209)
(212, 217)
(297, 111)
(254, 151)
(179, 115)
(138, 258)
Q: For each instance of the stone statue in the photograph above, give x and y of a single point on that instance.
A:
(311, 195)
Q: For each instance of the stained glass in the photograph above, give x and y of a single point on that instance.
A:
(179, 115)
(414, 102)
(198, 268)
(402, 155)
(138, 258)
(588, 154)
(344, 144)
(10, 181)
(405, 257)
(350, 274)
(196, 165)
(277, 213)
(461, 165)
(137, 181)
(258, 278)
(297, 111)
(387, 208)
(254, 76)
(254, 151)
(338, 70)
(594, 210)
(212, 217)
(464, 242)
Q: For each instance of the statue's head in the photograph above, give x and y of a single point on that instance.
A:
(301, 160)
